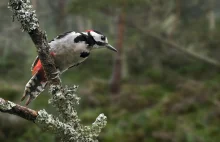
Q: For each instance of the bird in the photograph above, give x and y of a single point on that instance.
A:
(68, 50)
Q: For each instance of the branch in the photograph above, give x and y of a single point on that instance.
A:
(172, 44)
(69, 129)
(22, 10)
(12, 108)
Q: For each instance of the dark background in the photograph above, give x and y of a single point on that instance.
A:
(162, 85)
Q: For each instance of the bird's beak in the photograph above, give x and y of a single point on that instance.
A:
(111, 47)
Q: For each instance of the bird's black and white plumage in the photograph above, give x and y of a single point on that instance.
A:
(68, 50)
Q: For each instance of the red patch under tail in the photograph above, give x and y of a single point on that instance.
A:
(38, 68)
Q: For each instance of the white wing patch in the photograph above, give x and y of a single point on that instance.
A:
(65, 41)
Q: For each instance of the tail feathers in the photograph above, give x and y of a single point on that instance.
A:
(33, 88)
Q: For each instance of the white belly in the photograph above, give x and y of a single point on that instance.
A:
(67, 55)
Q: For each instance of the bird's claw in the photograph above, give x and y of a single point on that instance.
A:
(57, 76)
(30, 98)
(57, 72)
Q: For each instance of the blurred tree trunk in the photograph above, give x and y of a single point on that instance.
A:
(83, 23)
(157, 65)
(88, 24)
(80, 23)
(125, 72)
(61, 16)
(115, 83)
(34, 4)
(176, 19)
(211, 17)
(111, 24)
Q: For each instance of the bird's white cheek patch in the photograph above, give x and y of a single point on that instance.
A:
(96, 36)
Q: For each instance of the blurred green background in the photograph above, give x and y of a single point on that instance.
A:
(162, 85)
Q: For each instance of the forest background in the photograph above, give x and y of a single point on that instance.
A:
(162, 85)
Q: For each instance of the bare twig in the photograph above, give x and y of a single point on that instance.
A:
(172, 44)
(12, 108)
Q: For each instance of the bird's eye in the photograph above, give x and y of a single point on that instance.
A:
(103, 38)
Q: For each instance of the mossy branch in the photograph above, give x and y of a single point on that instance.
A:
(66, 125)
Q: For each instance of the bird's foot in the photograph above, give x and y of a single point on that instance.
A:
(30, 97)
(57, 73)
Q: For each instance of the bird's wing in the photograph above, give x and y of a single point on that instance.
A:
(61, 36)
(34, 63)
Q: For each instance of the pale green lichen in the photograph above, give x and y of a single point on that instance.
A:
(22, 9)
(66, 125)
(6, 105)
(64, 100)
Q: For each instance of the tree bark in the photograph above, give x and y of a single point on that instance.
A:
(80, 23)
(177, 19)
(88, 24)
(34, 4)
(40, 41)
(61, 16)
(211, 17)
(15, 109)
(115, 83)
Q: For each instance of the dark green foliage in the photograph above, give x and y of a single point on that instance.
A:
(168, 96)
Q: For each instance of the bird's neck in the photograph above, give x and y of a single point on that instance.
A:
(89, 39)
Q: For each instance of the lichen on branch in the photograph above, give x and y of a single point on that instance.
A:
(67, 125)
(6, 105)
(24, 13)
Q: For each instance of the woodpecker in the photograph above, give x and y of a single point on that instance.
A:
(68, 50)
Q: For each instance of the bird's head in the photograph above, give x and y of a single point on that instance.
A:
(99, 40)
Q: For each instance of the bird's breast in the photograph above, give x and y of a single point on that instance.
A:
(68, 55)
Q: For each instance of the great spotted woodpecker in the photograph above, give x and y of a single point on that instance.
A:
(68, 50)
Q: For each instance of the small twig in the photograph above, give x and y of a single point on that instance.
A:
(12, 108)
(172, 44)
